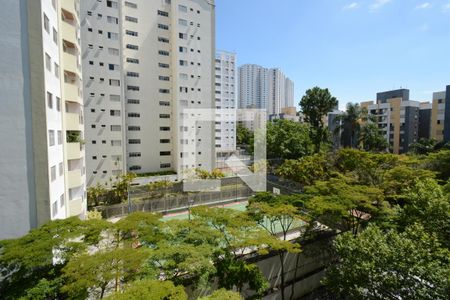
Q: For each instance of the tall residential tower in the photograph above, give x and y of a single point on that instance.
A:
(43, 167)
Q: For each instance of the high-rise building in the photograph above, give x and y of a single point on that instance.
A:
(146, 62)
(440, 116)
(264, 88)
(225, 99)
(43, 168)
(397, 118)
(425, 120)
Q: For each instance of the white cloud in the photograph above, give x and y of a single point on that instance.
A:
(424, 5)
(379, 4)
(351, 6)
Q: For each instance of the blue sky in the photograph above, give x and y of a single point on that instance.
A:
(354, 48)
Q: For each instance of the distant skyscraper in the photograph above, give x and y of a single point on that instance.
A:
(440, 116)
(264, 88)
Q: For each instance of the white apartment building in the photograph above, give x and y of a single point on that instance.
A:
(147, 61)
(225, 99)
(264, 88)
(42, 175)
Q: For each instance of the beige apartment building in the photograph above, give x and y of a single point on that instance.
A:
(43, 167)
(146, 62)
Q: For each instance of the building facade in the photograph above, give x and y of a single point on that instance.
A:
(43, 165)
(397, 118)
(264, 88)
(440, 116)
(148, 61)
(225, 100)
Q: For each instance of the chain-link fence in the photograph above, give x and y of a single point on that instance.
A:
(176, 202)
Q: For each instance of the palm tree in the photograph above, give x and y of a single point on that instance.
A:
(349, 123)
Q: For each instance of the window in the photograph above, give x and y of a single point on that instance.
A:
(56, 70)
(113, 67)
(163, 52)
(48, 62)
(182, 22)
(163, 26)
(164, 153)
(131, 19)
(164, 166)
(132, 74)
(183, 76)
(135, 168)
(114, 82)
(113, 51)
(46, 23)
(134, 115)
(134, 128)
(183, 50)
(114, 113)
(164, 141)
(112, 20)
(55, 36)
(133, 88)
(61, 169)
(113, 36)
(133, 60)
(164, 128)
(164, 91)
(182, 8)
(116, 128)
(114, 98)
(164, 78)
(164, 103)
(130, 4)
(116, 143)
(163, 40)
(51, 137)
(133, 101)
(134, 141)
(132, 33)
(182, 36)
(163, 13)
(165, 66)
(111, 3)
(53, 173)
(60, 137)
(132, 47)
(58, 104)
(54, 209)
(134, 154)
(49, 100)
(183, 63)
(61, 200)
(164, 116)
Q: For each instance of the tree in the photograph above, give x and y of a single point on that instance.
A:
(243, 135)
(223, 294)
(389, 265)
(122, 186)
(371, 138)
(31, 265)
(440, 163)
(287, 139)
(276, 216)
(426, 204)
(151, 289)
(350, 124)
(305, 170)
(93, 274)
(316, 104)
(341, 204)
(157, 190)
(423, 146)
(95, 195)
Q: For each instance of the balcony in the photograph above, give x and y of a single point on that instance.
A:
(75, 207)
(69, 32)
(72, 93)
(74, 151)
(74, 179)
(73, 122)
(70, 63)
(69, 10)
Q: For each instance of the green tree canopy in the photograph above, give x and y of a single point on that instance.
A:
(149, 290)
(316, 104)
(389, 265)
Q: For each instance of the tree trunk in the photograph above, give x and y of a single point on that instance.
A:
(281, 255)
